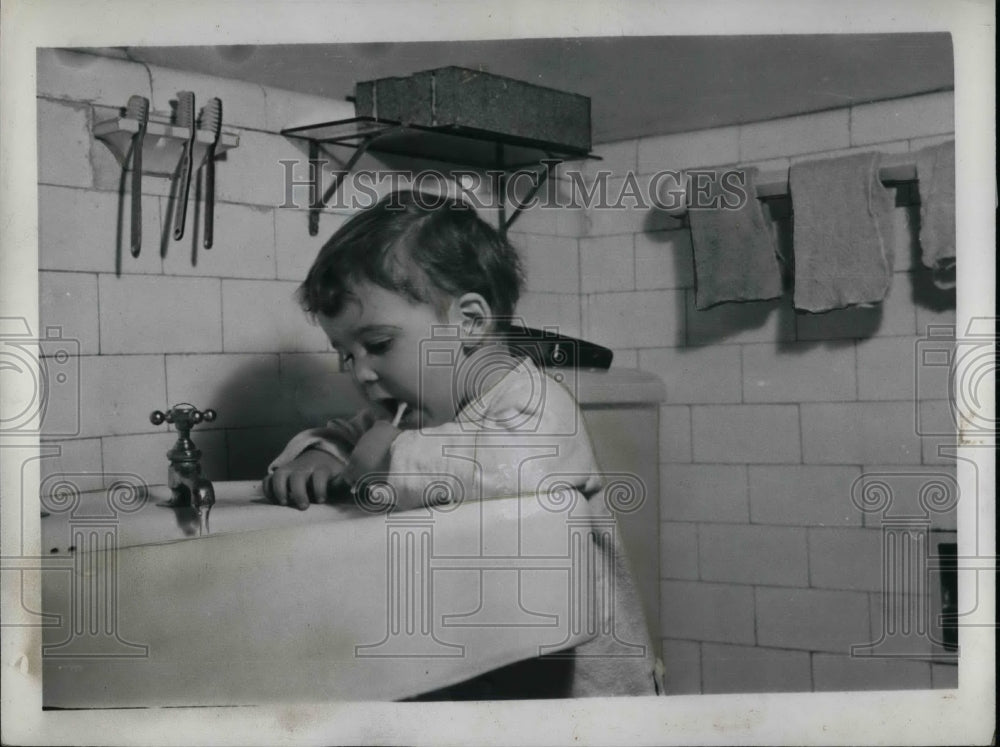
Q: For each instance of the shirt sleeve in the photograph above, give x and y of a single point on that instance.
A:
(336, 438)
(528, 438)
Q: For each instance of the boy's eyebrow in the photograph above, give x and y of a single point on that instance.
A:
(366, 329)
(377, 328)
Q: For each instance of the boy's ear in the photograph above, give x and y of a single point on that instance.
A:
(473, 313)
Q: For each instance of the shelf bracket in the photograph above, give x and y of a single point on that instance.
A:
(539, 182)
(319, 202)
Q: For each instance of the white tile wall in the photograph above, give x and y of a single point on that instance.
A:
(811, 619)
(79, 230)
(315, 389)
(887, 370)
(615, 157)
(795, 135)
(689, 150)
(243, 389)
(696, 375)
(551, 263)
(252, 174)
(263, 316)
(560, 310)
(678, 550)
(682, 667)
(751, 554)
(296, 250)
(854, 673)
(747, 669)
(707, 612)
(636, 319)
(703, 492)
(285, 109)
(118, 392)
(858, 432)
(915, 116)
(607, 264)
(243, 104)
(243, 244)
(663, 259)
(801, 495)
(675, 433)
(846, 558)
(765, 434)
(64, 144)
(75, 76)
(69, 300)
(799, 372)
(155, 314)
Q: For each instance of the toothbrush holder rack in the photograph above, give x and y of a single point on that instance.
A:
(162, 145)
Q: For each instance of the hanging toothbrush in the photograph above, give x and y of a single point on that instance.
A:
(211, 120)
(185, 118)
(137, 109)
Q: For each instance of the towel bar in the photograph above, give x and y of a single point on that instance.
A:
(896, 167)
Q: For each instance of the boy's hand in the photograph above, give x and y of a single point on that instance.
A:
(311, 476)
(371, 453)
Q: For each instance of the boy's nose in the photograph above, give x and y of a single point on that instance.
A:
(364, 372)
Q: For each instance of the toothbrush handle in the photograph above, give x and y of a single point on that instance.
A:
(210, 198)
(180, 213)
(137, 191)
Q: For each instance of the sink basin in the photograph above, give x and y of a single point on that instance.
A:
(279, 605)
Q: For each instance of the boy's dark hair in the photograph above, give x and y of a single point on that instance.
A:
(428, 248)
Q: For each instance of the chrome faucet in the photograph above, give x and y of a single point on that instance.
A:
(188, 486)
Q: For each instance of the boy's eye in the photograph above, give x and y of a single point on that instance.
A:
(378, 347)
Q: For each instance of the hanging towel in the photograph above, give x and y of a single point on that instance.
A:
(936, 178)
(734, 254)
(840, 228)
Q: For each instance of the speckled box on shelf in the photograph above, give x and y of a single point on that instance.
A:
(455, 96)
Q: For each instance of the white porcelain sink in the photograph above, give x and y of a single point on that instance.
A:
(281, 605)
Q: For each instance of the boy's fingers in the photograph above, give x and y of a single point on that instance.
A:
(279, 487)
(298, 494)
(319, 481)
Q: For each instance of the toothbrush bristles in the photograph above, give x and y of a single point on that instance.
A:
(137, 108)
(185, 108)
(211, 115)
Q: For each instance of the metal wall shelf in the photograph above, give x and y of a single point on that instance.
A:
(454, 144)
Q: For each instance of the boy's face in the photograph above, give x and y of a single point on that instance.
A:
(379, 336)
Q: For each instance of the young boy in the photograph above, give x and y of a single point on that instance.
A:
(414, 293)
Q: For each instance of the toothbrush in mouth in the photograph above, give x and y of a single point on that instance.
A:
(400, 412)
